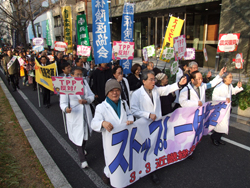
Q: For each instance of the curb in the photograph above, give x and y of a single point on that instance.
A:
(54, 173)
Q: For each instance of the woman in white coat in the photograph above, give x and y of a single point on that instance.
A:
(78, 116)
(224, 92)
(110, 113)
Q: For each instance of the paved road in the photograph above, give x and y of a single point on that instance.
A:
(223, 166)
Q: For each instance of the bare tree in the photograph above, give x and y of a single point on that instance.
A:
(18, 13)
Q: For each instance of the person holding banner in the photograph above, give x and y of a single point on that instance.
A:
(110, 113)
(11, 67)
(45, 91)
(78, 116)
(224, 92)
(194, 94)
(145, 102)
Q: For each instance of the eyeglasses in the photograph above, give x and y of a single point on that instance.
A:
(152, 80)
(78, 75)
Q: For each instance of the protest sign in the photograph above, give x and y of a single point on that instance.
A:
(180, 47)
(38, 48)
(133, 151)
(228, 42)
(123, 50)
(173, 30)
(44, 74)
(21, 61)
(13, 59)
(83, 50)
(68, 85)
(101, 31)
(205, 54)
(67, 22)
(60, 46)
(167, 54)
(174, 67)
(145, 54)
(82, 32)
(127, 31)
(38, 42)
(189, 54)
(150, 50)
(238, 61)
(51, 58)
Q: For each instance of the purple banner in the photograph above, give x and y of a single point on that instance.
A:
(133, 151)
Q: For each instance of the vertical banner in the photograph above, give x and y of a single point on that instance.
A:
(173, 30)
(101, 31)
(127, 32)
(82, 32)
(67, 22)
(48, 37)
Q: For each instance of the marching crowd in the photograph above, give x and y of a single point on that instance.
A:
(111, 99)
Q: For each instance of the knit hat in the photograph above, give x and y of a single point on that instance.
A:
(160, 76)
(111, 84)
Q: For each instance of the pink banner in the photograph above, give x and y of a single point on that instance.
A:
(189, 54)
(180, 47)
(123, 50)
(83, 50)
(68, 85)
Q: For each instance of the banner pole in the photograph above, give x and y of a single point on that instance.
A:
(239, 74)
(163, 70)
(64, 122)
(38, 94)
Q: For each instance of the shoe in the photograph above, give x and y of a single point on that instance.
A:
(215, 142)
(222, 142)
(84, 164)
(105, 179)
(85, 152)
(155, 179)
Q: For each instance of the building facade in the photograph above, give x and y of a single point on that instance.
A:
(204, 21)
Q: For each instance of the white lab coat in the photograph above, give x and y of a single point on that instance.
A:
(75, 120)
(220, 93)
(194, 98)
(179, 74)
(105, 112)
(141, 104)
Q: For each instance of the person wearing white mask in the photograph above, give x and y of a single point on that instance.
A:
(224, 92)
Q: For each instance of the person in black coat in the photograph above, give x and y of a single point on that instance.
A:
(166, 101)
(45, 91)
(134, 78)
(100, 76)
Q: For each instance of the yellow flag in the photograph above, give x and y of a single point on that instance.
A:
(67, 21)
(174, 30)
(44, 73)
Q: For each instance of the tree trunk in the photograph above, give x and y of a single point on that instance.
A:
(23, 37)
(33, 28)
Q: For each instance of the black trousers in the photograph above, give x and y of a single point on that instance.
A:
(216, 136)
(14, 80)
(46, 95)
(80, 151)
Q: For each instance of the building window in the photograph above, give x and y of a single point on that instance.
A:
(57, 21)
